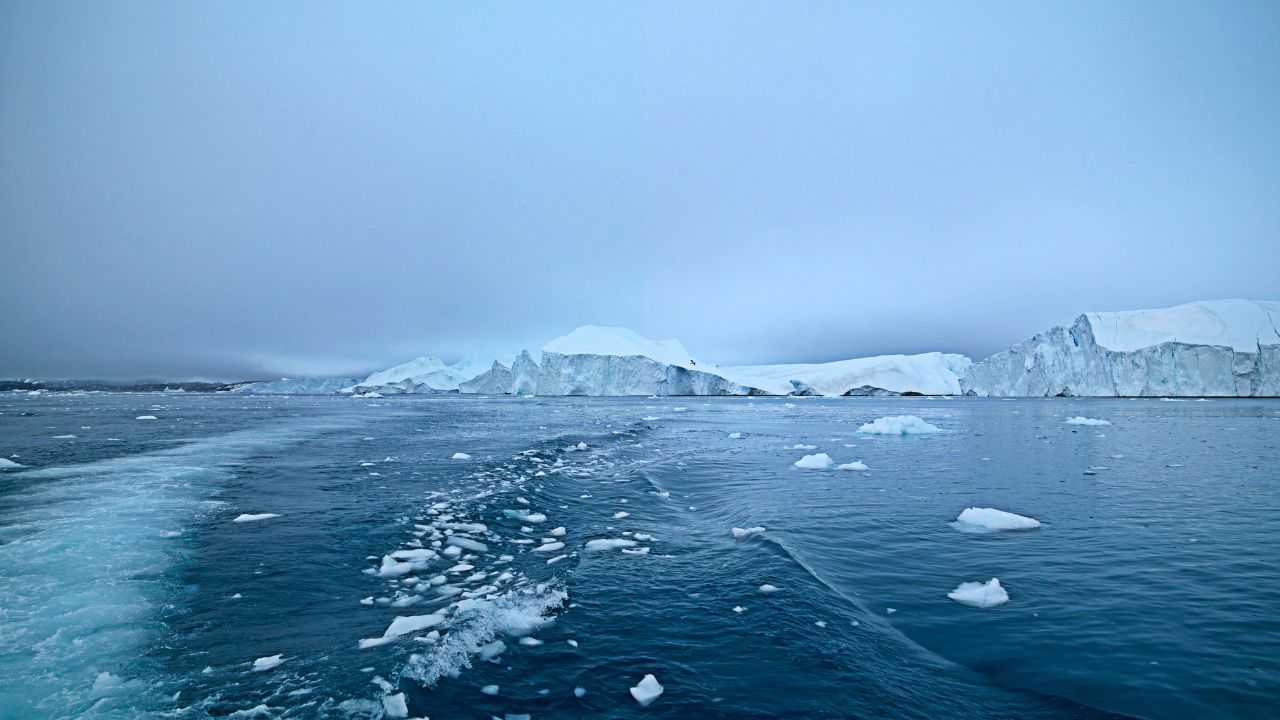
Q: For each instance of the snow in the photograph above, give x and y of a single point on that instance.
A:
(1079, 420)
(982, 595)
(899, 425)
(984, 519)
(267, 663)
(855, 465)
(932, 373)
(1241, 325)
(146, 417)
(246, 517)
(820, 461)
(621, 342)
(743, 533)
(647, 690)
(460, 456)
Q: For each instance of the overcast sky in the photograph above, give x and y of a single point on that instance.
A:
(242, 189)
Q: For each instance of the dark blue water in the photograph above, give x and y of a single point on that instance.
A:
(126, 590)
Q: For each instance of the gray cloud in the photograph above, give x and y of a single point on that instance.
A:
(233, 189)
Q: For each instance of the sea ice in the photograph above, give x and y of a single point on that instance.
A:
(247, 517)
(394, 706)
(898, 425)
(735, 436)
(549, 547)
(977, 594)
(146, 417)
(1079, 420)
(620, 515)
(743, 533)
(647, 690)
(489, 689)
(820, 461)
(976, 519)
(460, 456)
(855, 465)
(268, 662)
(802, 446)
(768, 589)
(609, 544)
(405, 624)
(7, 463)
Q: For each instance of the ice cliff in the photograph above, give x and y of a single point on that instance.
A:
(1228, 348)
(494, 381)
(422, 375)
(925, 374)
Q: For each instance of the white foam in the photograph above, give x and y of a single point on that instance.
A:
(1092, 422)
(978, 594)
(899, 425)
(981, 519)
(819, 461)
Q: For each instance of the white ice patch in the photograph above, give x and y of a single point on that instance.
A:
(1091, 422)
(899, 425)
(267, 663)
(978, 519)
(248, 517)
(978, 594)
(146, 417)
(744, 533)
(819, 461)
(460, 456)
(609, 544)
(647, 690)
(855, 465)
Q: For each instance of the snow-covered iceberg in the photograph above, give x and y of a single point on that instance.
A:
(494, 381)
(426, 374)
(1225, 348)
(594, 360)
(932, 373)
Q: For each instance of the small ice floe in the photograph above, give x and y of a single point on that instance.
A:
(467, 544)
(572, 642)
(530, 641)
(403, 625)
(64, 437)
(6, 464)
(744, 533)
(268, 662)
(489, 689)
(767, 589)
(735, 436)
(635, 551)
(976, 519)
(250, 517)
(146, 417)
(978, 594)
(802, 446)
(819, 461)
(820, 623)
(557, 532)
(890, 611)
(603, 544)
(1081, 420)
(549, 547)
(899, 425)
(581, 446)
(579, 692)
(460, 456)
(394, 706)
(648, 690)
(855, 465)
(650, 418)
(621, 514)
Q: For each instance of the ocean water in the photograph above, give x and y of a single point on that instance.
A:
(127, 590)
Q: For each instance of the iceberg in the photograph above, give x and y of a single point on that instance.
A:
(494, 381)
(297, 386)
(819, 461)
(425, 374)
(524, 375)
(977, 519)
(898, 425)
(982, 595)
(1224, 348)
(932, 373)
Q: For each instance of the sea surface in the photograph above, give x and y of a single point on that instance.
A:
(127, 589)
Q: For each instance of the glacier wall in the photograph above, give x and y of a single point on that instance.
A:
(587, 374)
(1069, 361)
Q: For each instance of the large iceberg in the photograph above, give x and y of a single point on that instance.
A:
(1225, 348)
(422, 375)
(494, 381)
(932, 373)
(296, 386)
(524, 374)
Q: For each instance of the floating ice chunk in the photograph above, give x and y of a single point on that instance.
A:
(572, 642)
(582, 446)
(820, 461)
(489, 689)
(268, 662)
(557, 532)
(491, 650)
(579, 692)
(549, 547)
(7, 463)
(247, 517)
(146, 417)
(768, 589)
(739, 609)
(820, 623)
(460, 456)
(976, 519)
(64, 437)
(394, 706)
(609, 544)
(801, 446)
(1081, 420)
(977, 594)
(467, 544)
(855, 465)
(744, 533)
(898, 425)
(415, 554)
(647, 690)
(405, 624)
(366, 600)
(530, 641)
(643, 537)
(635, 551)
(620, 514)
